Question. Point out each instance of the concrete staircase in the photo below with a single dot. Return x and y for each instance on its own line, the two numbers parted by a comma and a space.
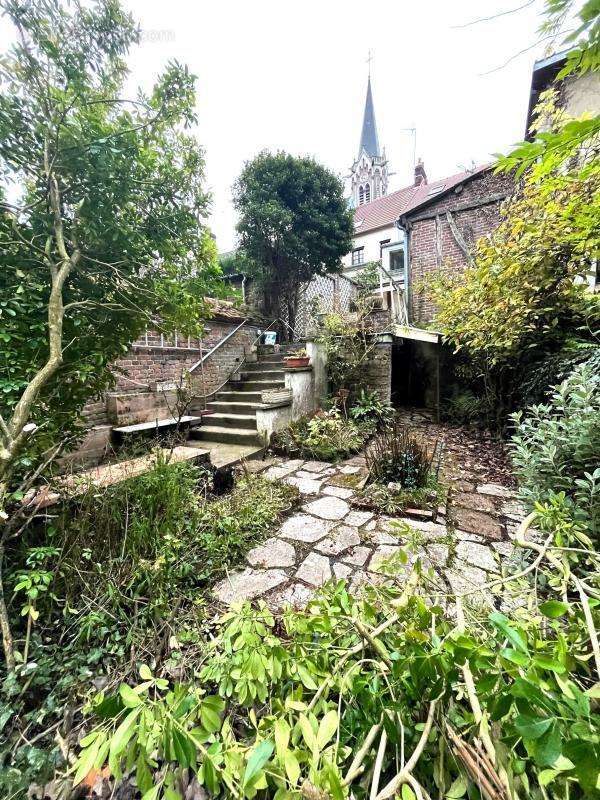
234, 418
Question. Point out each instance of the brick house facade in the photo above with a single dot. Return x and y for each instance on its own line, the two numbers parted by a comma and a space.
439, 229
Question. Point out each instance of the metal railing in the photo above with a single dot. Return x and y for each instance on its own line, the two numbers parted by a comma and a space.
239, 366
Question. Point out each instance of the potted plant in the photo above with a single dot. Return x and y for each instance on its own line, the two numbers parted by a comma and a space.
297, 359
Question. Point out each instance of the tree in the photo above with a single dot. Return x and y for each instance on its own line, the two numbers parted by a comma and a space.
100, 224
294, 225
550, 149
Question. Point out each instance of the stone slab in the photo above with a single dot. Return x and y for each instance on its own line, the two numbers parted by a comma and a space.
272, 553
249, 583
474, 501
338, 491
478, 555
305, 528
277, 473
349, 469
315, 466
332, 508
315, 570
479, 523
342, 538
495, 490
358, 518
296, 595
306, 486
342, 571
357, 556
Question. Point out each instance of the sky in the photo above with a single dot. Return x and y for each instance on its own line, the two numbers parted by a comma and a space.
278, 75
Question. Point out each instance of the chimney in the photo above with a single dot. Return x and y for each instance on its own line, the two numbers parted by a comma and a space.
420, 176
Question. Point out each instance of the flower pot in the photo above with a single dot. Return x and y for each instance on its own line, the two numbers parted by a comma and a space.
297, 361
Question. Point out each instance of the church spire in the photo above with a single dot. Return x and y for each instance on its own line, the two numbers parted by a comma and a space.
369, 174
368, 138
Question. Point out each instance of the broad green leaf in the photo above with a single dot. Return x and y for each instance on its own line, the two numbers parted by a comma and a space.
128, 696
145, 673
406, 793
516, 656
152, 794
307, 732
292, 768
282, 736
554, 608
516, 637
458, 789
123, 733
327, 728
532, 727
258, 758
86, 762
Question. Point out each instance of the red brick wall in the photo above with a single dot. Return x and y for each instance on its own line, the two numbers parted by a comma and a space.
154, 359
433, 247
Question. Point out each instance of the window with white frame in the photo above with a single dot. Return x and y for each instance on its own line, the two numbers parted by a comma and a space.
358, 256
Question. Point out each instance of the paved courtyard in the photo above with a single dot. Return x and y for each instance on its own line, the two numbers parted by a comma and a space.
465, 544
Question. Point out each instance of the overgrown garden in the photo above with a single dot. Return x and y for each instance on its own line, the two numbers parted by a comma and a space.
119, 672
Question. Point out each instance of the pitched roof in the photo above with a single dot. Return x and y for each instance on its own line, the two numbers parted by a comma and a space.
386, 210
368, 136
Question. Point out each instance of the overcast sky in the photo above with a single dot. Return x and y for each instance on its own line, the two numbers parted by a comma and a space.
292, 76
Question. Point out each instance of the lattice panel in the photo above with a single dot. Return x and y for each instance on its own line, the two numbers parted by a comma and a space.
323, 295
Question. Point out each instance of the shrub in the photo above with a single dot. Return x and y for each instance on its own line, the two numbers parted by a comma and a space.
556, 446
464, 407
398, 456
369, 407
328, 436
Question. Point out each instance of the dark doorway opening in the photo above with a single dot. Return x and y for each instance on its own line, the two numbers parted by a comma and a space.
415, 374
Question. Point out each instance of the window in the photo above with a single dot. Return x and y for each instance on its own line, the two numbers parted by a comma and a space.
358, 256
361, 196
396, 260
382, 244
368, 193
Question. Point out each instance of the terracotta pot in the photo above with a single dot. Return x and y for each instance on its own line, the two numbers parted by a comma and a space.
297, 361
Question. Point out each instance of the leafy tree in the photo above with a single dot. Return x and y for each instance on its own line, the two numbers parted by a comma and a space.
526, 297
294, 224
100, 223
550, 149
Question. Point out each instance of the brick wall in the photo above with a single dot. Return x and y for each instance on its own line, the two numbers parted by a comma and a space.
475, 207
378, 371
154, 359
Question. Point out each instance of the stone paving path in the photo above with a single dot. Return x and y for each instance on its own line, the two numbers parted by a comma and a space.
466, 544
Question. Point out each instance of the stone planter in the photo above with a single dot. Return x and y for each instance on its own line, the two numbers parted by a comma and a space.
276, 397
294, 362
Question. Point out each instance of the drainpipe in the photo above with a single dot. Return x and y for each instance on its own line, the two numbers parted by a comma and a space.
403, 225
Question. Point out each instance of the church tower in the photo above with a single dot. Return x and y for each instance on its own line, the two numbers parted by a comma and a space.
369, 173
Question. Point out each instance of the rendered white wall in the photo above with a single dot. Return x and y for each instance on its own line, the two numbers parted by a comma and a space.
371, 242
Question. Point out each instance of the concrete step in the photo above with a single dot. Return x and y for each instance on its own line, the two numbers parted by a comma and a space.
218, 433
238, 396
263, 375
259, 386
261, 366
274, 359
233, 420
220, 407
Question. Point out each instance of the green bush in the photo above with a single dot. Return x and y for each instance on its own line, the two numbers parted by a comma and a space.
369, 407
124, 568
556, 447
327, 435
